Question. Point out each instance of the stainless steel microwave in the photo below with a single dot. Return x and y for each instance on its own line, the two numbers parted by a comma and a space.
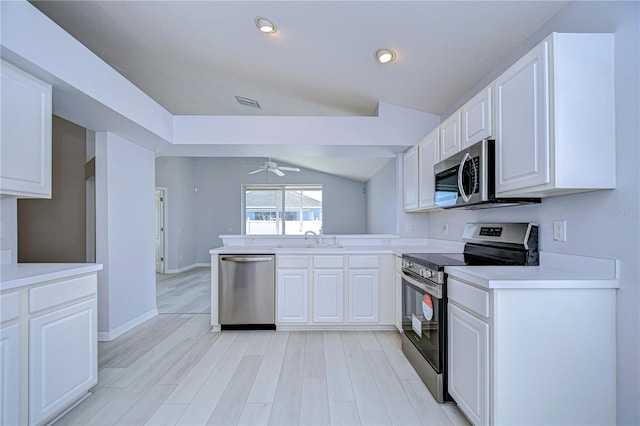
467, 180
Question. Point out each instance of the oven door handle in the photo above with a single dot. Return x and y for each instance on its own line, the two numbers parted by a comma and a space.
435, 291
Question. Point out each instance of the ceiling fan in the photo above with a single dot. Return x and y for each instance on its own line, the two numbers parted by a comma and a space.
271, 166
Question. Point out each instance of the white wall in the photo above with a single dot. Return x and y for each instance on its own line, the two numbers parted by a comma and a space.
8, 230
125, 208
177, 174
603, 223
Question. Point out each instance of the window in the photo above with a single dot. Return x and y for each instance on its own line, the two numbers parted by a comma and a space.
282, 209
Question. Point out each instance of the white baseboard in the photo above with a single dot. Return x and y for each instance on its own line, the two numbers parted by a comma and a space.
186, 268
107, 336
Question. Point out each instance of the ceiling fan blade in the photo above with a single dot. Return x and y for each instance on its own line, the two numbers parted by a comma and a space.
277, 172
256, 171
289, 169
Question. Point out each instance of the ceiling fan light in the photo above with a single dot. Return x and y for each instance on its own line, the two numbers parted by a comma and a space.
384, 56
265, 25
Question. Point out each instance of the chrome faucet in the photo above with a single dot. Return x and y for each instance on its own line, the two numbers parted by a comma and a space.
318, 236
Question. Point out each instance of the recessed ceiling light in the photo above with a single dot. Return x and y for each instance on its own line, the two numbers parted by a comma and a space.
265, 25
384, 56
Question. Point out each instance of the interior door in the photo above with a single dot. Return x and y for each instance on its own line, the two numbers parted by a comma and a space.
160, 229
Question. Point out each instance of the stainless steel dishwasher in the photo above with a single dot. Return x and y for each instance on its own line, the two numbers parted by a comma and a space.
246, 291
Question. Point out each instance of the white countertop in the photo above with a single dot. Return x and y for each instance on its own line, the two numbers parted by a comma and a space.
397, 250
555, 271
21, 274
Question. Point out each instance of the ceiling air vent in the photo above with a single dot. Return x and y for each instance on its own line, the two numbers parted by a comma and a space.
247, 102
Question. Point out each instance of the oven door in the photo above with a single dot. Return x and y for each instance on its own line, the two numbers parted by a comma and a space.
424, 318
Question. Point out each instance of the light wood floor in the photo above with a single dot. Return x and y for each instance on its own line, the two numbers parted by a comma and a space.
184, 293
171, 370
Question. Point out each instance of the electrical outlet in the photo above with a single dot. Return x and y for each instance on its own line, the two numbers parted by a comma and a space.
559, 230
408, 227
445, 227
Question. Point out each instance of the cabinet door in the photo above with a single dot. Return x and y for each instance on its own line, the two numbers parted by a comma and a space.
522, 123
10, 375
328, 296
363, 296
469, 364
428, 155
410, 180
62, 358
450, 135
477, 119
25, 152
293, 296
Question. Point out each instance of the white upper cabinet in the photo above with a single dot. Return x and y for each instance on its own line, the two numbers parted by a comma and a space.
25, 148
428, 157
450, 140
555, 118
477, 119
410, 181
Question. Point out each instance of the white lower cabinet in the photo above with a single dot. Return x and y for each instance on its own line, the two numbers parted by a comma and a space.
328, 296
63, 358
9, 374
364, 294
293, 294
469, 358
337, 289
48, 348
526, 355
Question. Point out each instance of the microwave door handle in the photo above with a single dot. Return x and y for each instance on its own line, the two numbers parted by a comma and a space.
463, 194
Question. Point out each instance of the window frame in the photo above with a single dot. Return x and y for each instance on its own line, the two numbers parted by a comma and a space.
281, 215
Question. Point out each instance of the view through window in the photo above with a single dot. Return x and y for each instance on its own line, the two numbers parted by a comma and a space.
282, 209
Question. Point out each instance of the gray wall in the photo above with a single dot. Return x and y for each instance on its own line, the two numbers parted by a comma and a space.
177, 174
381, 195
603, 223
53, 230
217, 204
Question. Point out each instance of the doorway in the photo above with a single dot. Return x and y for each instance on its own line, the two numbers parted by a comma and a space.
161, 201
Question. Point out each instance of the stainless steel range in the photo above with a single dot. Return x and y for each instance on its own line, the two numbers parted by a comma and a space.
424, 292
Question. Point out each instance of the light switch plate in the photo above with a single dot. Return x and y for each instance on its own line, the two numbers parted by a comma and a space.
559, 230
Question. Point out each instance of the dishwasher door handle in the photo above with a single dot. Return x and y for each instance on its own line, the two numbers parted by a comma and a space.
246, 259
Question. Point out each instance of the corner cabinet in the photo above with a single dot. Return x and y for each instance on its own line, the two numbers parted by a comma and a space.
25, 151
555, 118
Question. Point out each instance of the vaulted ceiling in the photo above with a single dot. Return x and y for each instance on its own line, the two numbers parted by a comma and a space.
195, 57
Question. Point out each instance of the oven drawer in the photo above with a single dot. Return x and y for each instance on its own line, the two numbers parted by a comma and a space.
472, 298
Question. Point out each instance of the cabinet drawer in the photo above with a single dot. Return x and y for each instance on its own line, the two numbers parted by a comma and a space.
472, 298
50, 295
293, 261
364, 261
328, 261
9, 306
